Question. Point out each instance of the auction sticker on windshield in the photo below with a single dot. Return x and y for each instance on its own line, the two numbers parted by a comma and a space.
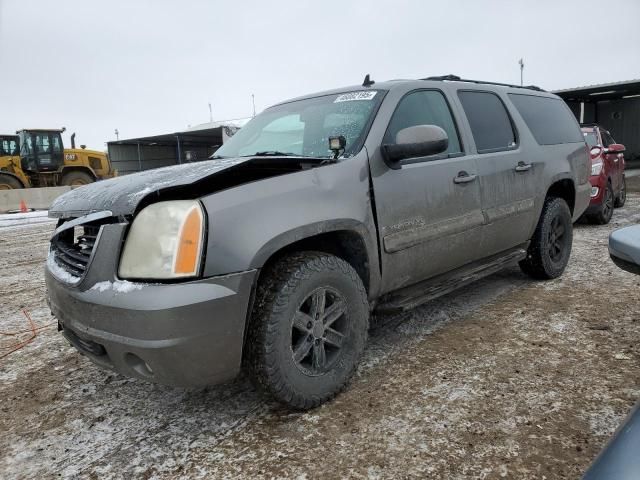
351, 96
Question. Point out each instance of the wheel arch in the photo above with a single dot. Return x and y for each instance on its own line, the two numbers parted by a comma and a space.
563, 187
346, 239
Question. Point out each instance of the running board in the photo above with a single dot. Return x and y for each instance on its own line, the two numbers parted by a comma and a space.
410, 297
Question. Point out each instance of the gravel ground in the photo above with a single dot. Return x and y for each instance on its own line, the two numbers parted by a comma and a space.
506, 378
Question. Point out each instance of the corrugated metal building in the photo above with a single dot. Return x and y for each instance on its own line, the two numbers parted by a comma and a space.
192, 145
615, 106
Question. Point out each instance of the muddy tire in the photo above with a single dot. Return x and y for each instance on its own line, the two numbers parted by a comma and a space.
621, 199
77, 179
605, 211
308, 328
550, 246
7, 182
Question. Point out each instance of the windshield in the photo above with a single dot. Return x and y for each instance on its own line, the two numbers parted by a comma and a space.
591, 138
303, 127
38, 143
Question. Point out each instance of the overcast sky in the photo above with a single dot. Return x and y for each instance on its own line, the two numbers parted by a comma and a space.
149, 67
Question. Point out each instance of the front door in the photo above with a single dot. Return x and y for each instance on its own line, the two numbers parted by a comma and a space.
429, 211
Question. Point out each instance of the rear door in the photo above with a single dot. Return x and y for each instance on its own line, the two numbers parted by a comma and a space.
508, 174
429, 211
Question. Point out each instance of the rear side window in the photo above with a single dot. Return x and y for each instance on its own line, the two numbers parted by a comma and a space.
549, 119
424, 107
489, 121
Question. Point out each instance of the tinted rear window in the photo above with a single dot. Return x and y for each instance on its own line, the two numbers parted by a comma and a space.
489, 121
549, 119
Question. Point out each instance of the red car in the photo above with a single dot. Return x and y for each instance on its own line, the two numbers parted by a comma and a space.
608, 185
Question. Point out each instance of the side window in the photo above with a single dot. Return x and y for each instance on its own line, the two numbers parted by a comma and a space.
607, 139
424, 107
549, 119
489, 121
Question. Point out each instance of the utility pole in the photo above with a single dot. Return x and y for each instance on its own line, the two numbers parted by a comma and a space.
117, 134
253, 102
210, 113
521, 63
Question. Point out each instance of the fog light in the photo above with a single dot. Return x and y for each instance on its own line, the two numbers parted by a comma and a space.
139, 365
594, 191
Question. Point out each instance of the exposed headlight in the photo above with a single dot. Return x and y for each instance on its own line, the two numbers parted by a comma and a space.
165, 241
596, 168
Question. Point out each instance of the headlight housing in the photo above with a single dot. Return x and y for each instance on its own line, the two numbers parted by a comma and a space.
596, 168
165, 241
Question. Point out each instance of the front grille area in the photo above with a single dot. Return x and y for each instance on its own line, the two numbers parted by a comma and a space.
72, 248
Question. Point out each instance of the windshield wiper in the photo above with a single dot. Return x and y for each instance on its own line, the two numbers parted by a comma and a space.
272, 153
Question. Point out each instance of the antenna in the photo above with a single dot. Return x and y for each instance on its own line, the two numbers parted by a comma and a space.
253, 102
367, 81
210, 114
521, 63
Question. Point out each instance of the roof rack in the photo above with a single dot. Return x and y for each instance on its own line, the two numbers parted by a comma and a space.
455, 78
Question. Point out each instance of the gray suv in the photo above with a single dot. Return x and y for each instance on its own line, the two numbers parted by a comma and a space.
272, 255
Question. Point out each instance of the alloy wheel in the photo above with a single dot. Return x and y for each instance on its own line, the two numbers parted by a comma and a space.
607, 204
318, 331
556, 239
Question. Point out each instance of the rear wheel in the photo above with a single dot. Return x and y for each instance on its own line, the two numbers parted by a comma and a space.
550, 246
622, 196
7, 182
605, 212
76, 179
308, 328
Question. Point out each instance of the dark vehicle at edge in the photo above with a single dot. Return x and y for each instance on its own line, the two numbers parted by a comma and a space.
620, 458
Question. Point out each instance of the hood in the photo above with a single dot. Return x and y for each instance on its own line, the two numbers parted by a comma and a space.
123, 195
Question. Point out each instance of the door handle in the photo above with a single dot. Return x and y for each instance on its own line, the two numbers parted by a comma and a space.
523, 167
464, 177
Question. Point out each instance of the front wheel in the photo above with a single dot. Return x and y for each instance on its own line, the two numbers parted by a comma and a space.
308, 328
621, 199
7, 182
605, 211
550, 246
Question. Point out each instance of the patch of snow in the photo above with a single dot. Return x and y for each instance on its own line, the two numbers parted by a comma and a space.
119, 286
17, 219
604, 422
59, 272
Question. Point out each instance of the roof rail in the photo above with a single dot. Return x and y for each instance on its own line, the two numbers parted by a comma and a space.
455, 78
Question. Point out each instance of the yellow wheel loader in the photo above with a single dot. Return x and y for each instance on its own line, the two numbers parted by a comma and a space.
37, 158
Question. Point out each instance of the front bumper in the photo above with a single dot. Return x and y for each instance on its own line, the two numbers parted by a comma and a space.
184, 334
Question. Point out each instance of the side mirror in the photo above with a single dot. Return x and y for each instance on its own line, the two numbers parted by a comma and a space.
413, 142
615, 148
624, 248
